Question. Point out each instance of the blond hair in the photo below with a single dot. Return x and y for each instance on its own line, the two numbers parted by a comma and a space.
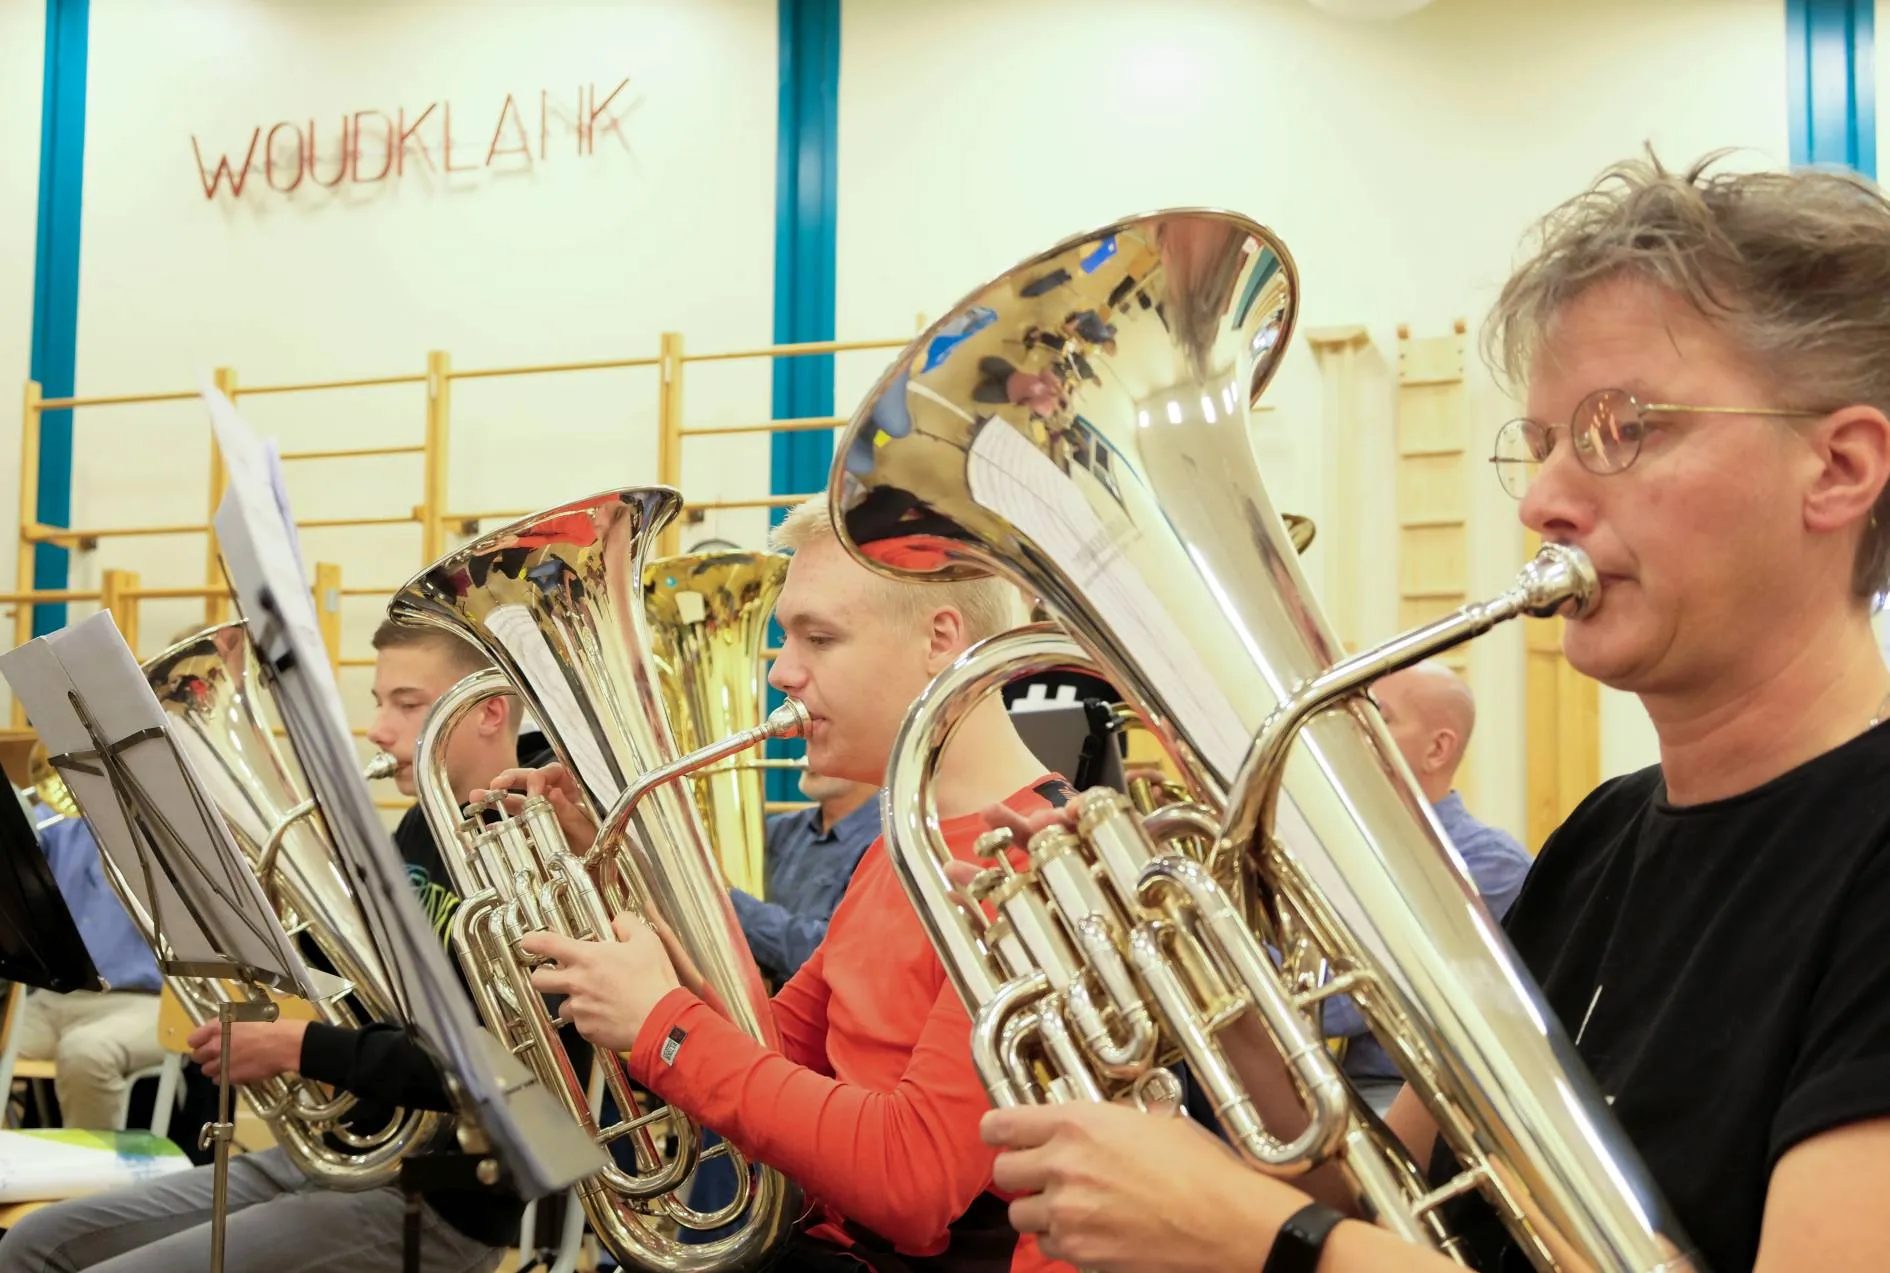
1795, 266
988, 605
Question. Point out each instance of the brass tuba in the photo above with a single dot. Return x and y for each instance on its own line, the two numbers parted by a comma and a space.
1080, 426
708, 616
205, 686
48, 784
557, 602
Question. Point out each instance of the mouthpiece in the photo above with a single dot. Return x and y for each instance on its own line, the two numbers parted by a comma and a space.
379, 766
1561, 575
790, 720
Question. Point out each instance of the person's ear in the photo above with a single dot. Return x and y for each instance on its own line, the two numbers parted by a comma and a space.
492, 716
1438, 749
1852, 450
944, 639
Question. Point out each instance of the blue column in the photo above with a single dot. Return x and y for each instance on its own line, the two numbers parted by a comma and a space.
56, 279
806, 165
1832, 81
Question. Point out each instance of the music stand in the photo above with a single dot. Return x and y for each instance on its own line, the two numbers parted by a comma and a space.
168, 852
40, 944
506, 1116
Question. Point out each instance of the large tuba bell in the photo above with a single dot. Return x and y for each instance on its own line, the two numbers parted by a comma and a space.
708, 616
1080, 425
557, 602
205, 686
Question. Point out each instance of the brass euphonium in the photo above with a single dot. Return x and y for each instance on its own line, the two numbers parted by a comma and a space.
204, 684
1080, 425
708, 616
557, 603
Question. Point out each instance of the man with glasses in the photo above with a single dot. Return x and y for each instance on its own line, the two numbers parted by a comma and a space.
1707, 387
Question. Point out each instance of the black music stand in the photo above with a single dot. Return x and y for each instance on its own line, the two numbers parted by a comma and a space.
507, 1120
165, 848
40, 944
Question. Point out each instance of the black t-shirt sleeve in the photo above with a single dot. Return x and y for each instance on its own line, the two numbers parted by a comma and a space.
1841, 1073
381, 1063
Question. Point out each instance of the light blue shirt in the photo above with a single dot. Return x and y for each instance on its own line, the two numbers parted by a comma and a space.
1498, 866
807, 874
119, 951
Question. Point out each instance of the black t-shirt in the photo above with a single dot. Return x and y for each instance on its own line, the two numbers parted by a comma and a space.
1731, 963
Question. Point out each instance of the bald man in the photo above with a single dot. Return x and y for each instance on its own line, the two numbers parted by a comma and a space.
1430, 712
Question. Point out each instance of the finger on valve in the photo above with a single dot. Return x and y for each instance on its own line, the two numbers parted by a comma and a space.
501, 783
1001, 817
528, 782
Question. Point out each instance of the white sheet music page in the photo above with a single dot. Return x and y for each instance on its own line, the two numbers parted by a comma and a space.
208, 906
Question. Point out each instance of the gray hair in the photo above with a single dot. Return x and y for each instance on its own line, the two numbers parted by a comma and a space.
1795, 266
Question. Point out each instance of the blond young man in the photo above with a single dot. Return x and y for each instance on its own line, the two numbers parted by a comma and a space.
872, 1105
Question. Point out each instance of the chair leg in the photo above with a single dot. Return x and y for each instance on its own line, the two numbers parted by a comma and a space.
169, 1095
572, 1238
528, 1230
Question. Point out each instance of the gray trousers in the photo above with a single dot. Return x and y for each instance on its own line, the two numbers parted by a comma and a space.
279, 1222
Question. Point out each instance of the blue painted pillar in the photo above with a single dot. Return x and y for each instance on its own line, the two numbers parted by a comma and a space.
806, 166
1832, 81
56, 279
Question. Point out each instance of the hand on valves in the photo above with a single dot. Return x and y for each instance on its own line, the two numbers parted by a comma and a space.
555, 783
1108, 1187
611, 987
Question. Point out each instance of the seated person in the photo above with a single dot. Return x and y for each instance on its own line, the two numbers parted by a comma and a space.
280, 1219
810, 857
1430, 712
96, 1040
1736, 514
872, 1102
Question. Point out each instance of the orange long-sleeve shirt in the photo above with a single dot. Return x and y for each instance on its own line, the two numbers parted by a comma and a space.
872, 1104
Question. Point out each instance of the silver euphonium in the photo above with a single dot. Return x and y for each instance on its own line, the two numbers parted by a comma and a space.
205, 686
1080, 426
557, 603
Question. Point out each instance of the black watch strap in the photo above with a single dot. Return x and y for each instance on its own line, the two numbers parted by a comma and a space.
1297, 1247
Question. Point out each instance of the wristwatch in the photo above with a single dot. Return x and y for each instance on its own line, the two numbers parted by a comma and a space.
1297, 1246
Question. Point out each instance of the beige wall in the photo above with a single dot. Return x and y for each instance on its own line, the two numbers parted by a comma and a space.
667, 224
1401, 162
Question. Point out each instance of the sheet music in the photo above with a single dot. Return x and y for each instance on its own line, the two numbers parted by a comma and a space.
272, 459
544, 1147
208, 908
